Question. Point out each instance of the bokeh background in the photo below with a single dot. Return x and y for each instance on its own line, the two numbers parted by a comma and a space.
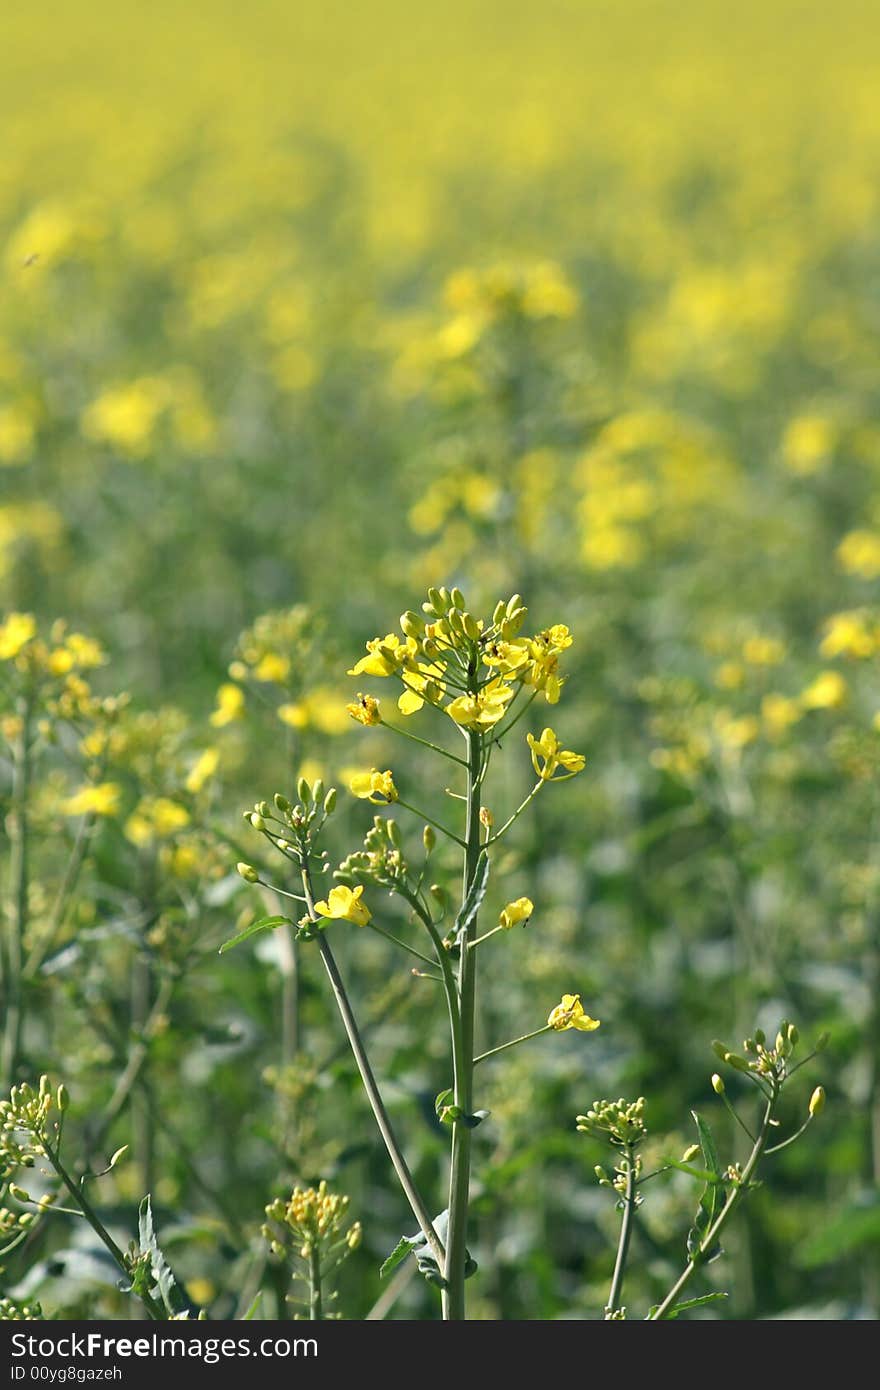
307, 307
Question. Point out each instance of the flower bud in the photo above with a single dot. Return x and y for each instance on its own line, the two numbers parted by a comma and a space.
691, 1152
393, 832
717, 1084
793, 1034
499, 612
257, 821
281, 803
247, 872
822, 1041
760, 1037
330, 802
318, 790
62, 1097
438, 893
817, 1102
429, 838
734, 1060
19, 1193
44, 1085
411, 625
303, 790
457, 598
471, 626
720, 1049
263, 808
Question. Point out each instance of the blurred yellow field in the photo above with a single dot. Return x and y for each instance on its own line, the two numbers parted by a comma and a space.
308, 310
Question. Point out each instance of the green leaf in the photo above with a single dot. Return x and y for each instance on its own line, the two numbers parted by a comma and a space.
688, 1303
264, 924
252, 1311
443, 1100
171, 1295
474, 897
403, 1248
709, 1198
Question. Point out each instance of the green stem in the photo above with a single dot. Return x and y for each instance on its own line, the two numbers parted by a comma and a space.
426, 743
518, 812
377, 1104
315, 1313
626, 1224
526, 1037
734, 1198
97, 1225
18, 872
404, 946
436, 824
460, 1167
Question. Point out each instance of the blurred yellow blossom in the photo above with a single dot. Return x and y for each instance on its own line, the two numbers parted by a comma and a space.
230, 705
98, 799
828, 691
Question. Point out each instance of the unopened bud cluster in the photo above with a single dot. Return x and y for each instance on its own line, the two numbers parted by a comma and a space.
313, 1217
290, 826
760, 1059
11, 1311
380, 861
619, 1121
23, 1121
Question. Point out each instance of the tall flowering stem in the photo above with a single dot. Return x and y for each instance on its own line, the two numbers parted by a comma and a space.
460, 1168
469, 673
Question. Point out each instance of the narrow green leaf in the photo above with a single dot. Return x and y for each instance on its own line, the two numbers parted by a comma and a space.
474, 897
171, 1295
264, 924
403, 1248
688, 1303
709, 1198
252, 1311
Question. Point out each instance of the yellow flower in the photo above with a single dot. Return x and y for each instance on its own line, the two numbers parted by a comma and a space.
202, 770
853, 633
778, 712
365, 709
386, 656
377, 787
516, 912
345, 903
859, 553
507, 656
272, 667
827, 691
230, 706
483, 710
99, 799
155, 818
547, 756
569, 1013
544, 651
15, 633
296, 716
423, 683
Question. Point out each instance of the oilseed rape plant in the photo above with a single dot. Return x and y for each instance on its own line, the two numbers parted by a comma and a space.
482, 675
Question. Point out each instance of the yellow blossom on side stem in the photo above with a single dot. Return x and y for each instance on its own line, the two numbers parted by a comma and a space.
345, 904
385, 656
516, 912
547, 756
483, 710
365, 710
569, 1013
377, 787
